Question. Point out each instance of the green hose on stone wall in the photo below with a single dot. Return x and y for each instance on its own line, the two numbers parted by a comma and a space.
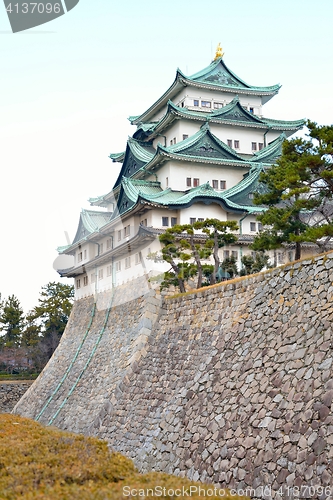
87, 363
70, 365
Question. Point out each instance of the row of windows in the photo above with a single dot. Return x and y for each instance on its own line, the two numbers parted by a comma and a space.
227, 254
83, 255
216, 105
126, 232
216, 184
100, 274
174, 140
255, 226
165, 221
255, 146
207, 104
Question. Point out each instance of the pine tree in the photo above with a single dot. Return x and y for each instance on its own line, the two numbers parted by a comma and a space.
11, 322
299, 191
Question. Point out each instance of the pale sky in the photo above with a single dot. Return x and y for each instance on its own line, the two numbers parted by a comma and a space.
67, 88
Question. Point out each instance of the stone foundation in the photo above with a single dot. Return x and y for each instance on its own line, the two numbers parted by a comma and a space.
232, 384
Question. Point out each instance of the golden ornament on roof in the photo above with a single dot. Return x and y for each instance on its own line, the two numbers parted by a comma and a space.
219, 52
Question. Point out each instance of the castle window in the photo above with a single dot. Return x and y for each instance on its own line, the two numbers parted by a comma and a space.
252, 226
126, 231
100, 274
185, 136
251, 110
173, 221
229, 142
174, 140
165, 221
280, 258
118, 266
259, 226
226, 254
223, 184
200, 219
79, 256
195, 102
78, 283
119, 235
137, 258
109, 270
196, 182
236, 144
218, 105
261, 146
108, 243
254, 146
188, 181
206, 104
234, 254
171, 142
167, 181
85, 280
193, 220
85, 254
215, 183
101, 248
127, 262
93, 278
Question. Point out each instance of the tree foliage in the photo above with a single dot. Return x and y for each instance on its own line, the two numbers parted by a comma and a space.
186, 246
54, 307
254, 263
299, 191
11, 322
27, 342
218, 235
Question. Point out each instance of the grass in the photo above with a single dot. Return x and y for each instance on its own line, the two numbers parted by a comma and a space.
21, 376
38, 462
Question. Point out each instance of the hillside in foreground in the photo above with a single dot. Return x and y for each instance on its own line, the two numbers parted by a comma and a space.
37, 462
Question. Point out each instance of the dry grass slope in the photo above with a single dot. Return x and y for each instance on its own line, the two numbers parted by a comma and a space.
44, 463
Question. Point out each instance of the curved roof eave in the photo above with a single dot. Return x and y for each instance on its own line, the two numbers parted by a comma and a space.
172, 90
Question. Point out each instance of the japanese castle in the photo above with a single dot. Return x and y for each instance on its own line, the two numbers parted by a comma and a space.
196, 153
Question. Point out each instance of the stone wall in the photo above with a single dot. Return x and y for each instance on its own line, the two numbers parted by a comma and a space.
11, 392
232, 384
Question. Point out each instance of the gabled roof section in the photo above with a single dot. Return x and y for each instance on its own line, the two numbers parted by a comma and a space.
271, 153
90, 222
217, 76
203, 144
137, 154
242, 193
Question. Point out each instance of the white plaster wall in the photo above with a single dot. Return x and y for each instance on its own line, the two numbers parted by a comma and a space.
178, 172
156, 218
245, 136
200, 210
188, 94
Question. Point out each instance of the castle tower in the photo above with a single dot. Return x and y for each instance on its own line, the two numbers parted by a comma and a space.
197, 152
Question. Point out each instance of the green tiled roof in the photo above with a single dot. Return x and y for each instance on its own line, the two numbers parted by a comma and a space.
137, 154
270, 153
90, 222
117, 156
216, 77
203, 147
218, 74
233, 114
153, 194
